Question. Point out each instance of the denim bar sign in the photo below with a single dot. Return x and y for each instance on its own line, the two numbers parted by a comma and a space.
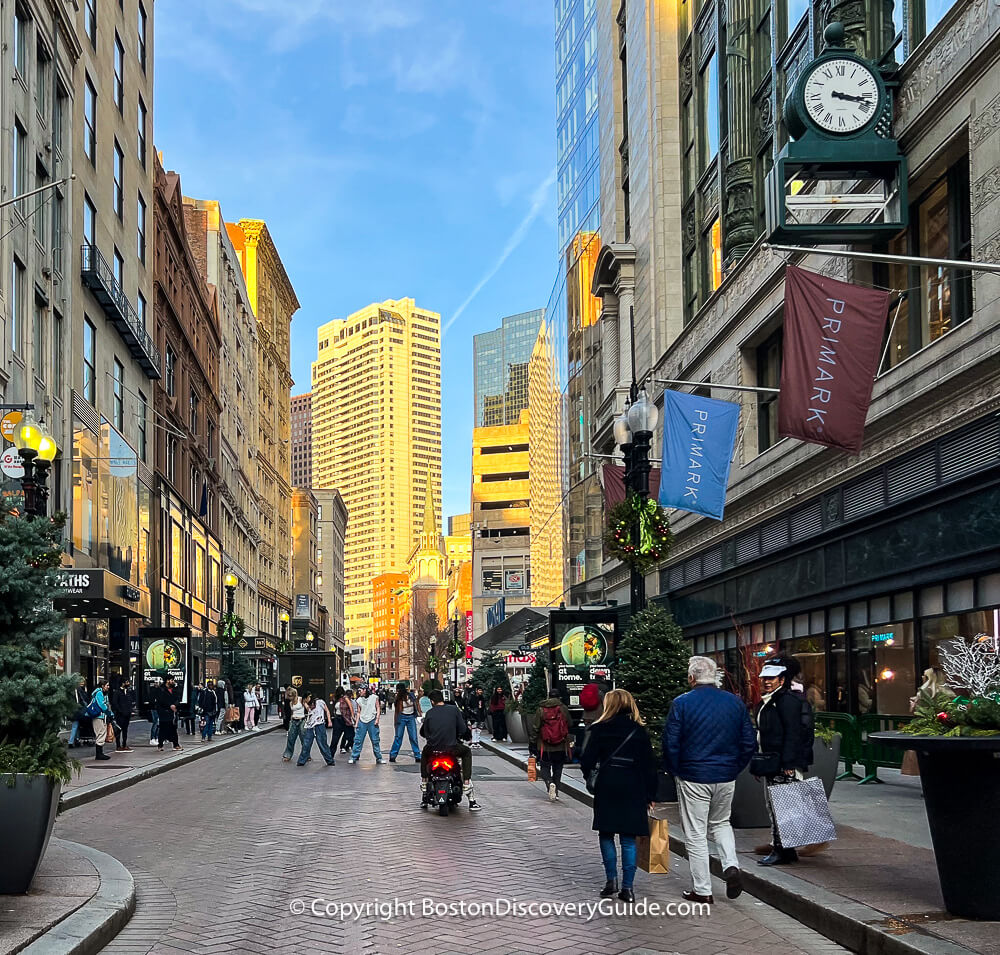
698, 439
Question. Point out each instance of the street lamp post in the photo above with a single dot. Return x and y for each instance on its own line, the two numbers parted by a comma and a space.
454, 650
284, 618
37, 448
230, 582
633, 431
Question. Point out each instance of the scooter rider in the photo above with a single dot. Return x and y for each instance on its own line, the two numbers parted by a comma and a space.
444, 727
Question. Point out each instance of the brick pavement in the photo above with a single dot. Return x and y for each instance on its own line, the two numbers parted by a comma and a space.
221, 847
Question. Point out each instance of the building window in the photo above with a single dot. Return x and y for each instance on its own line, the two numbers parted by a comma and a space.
119, 182
795, 10
937, 299
118, 267
89, 221
170, 378
38, 339
89, 361
210, 438
141, 133
142, 414
118, 396
712, 257
193, 420
768, 376
90, 21
171, 459
58, 205
90, 121
119, 75
16, 304
709, 94
140, 229
38, 220
19, 165
141, 29
42, 64
140, 307
20, 44
57, 346
59, 111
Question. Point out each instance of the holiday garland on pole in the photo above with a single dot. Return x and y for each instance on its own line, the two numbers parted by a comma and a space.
655, 537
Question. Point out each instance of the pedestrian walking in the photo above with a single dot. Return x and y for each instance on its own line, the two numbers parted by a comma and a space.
207, 703
284, 709
550, 742
189, 710
167, 699
343, 721
367, 725
475, 713
222, 700
296, 719
708, 741
99, 711
785, 737
154, 719
318, 719
122, 705
249, 707
619, 753
405, 720
80, 718
498, 713
258, 712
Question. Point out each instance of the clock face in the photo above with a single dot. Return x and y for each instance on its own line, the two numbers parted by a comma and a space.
841, 95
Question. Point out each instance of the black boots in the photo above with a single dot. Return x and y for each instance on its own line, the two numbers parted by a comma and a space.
100, 753
779, 857
627, 895
610, 888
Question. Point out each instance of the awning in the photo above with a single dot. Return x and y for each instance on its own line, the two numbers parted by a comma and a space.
96, 592
512, 630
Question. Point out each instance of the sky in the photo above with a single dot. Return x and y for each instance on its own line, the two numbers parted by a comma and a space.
395, 148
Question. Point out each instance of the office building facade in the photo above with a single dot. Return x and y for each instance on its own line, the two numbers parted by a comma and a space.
301, 408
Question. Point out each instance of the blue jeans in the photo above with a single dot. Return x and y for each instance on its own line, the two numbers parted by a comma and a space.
406, 724
610, 857
209, 729
363, 730
154, 725
74, 732
295, 732
317, 733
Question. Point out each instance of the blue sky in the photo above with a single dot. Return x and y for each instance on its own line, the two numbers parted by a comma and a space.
394, 149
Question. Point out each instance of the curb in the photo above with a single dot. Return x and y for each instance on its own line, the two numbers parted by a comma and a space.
88, 929
854, 925
81, 797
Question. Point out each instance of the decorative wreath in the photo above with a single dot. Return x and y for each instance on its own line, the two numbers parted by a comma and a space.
433, 665
655, 537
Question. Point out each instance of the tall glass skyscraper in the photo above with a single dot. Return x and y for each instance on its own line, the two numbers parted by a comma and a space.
500, 368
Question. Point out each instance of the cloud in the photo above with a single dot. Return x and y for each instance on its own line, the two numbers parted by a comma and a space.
538, 201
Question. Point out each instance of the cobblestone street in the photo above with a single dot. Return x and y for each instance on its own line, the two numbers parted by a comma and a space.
221, 848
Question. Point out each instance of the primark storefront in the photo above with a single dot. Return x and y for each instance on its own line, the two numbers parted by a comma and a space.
862, 582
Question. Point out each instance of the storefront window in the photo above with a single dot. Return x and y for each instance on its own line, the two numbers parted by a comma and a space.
936, 630
811, 654
85, 489
884, 671
839, 699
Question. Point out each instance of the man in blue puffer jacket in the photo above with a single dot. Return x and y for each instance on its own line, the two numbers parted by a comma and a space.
707, 742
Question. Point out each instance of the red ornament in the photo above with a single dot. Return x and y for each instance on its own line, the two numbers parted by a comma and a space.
942, 717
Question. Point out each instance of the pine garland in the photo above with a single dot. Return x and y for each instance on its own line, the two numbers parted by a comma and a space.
655, 537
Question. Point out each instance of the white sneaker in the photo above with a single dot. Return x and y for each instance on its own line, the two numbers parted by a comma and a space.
552, 792
380, 761
350, 762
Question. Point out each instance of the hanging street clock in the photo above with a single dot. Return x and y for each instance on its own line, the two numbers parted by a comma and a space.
842, 177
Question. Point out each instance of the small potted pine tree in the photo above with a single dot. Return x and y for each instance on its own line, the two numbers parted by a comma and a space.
35, 701
957, 741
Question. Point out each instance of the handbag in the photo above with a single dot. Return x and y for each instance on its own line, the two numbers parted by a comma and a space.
765, 764
654, 849
93, 709
232, 714
110, 737
801, 812
595, 773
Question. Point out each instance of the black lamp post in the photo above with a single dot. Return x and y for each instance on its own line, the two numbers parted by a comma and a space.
633, 431
454, 650
284, 618
230, 582
37, 449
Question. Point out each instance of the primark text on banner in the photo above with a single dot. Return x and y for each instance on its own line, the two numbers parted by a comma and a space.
698, 439
832, 342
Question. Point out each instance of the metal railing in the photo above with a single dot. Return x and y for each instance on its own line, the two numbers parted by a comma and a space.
100, 279
856, 747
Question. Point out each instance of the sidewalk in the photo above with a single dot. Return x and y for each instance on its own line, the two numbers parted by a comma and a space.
875, 890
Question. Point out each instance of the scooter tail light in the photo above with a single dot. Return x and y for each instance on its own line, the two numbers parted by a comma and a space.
443, 763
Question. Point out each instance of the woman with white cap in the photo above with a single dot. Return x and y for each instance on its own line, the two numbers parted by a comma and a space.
785, 738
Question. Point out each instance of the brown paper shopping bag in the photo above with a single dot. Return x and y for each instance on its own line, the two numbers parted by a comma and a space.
654, 849
532, 769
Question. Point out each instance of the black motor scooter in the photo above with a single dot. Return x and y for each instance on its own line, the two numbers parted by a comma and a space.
444, 782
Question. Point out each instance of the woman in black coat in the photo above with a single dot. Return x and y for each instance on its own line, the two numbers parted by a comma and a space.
784, 731
619, 748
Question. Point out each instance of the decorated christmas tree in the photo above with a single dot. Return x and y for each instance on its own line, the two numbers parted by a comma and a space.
652, 665
35, 700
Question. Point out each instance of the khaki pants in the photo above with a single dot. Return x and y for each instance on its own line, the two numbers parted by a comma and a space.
100, 731
705, 810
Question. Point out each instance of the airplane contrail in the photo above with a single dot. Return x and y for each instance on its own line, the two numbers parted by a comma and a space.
538, 198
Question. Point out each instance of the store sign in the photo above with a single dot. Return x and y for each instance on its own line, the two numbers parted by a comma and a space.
513, 580
130, 593
8, 423
883, 637
469, 629
302, 606
11, 463
305, 645
260, 643
75, 583
496, 614
524, 659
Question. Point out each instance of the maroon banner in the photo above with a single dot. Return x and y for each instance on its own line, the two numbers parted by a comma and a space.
833, 338
614, 484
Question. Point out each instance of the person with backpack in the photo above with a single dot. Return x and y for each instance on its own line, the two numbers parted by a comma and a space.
99, 711
785, 735
549, 740
207, 700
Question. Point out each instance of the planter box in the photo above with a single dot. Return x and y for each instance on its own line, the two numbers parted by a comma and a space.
826, 762
516, 730
961, 782
27, 814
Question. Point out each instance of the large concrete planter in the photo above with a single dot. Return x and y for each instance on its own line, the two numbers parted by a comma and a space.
961, 781
27, 812
826, 762
516, 730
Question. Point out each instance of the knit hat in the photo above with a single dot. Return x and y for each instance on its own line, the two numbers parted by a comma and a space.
590, 697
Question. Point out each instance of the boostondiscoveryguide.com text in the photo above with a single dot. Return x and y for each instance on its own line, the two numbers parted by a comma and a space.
391, 909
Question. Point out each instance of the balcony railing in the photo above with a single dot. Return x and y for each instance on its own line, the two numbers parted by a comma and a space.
99, 278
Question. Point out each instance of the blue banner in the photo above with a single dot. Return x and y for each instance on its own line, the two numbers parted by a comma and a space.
698, 438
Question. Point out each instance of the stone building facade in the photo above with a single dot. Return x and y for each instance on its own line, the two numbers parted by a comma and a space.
188, 408
331, 533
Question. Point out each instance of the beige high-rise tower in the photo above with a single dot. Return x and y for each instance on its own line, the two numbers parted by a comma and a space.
376, 407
